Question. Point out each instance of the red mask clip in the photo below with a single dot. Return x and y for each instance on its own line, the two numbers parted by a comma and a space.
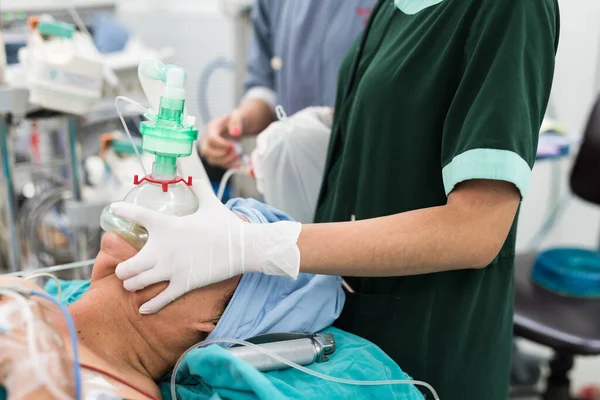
164, 184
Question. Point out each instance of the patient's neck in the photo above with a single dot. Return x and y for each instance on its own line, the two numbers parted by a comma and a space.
109, 335
111, 327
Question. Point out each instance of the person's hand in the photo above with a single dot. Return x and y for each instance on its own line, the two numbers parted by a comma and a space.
209, 246
217, 146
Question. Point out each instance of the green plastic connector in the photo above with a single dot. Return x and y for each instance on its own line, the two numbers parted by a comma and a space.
164, 166
56, 28
167, 136
125, 147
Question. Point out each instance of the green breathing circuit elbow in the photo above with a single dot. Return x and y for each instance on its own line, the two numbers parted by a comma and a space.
171, 134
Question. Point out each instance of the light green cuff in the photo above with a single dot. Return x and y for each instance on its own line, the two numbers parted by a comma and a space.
498, 165
412, 7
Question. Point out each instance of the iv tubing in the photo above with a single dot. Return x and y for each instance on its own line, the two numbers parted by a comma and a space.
74, 343
128, 100
296, 366
228, 174
48, 275
84, 30
77, 18
31, 343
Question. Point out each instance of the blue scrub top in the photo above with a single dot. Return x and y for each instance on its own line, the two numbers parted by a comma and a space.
297, 48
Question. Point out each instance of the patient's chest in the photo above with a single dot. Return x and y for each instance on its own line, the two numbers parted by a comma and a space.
102, 383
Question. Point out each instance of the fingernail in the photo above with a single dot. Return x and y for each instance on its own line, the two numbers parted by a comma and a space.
236, 132
231, 149
237, 157
144, 310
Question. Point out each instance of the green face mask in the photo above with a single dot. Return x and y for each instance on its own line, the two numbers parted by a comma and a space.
412, 7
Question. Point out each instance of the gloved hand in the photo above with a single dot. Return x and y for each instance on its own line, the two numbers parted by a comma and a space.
206, 247
217, 146
289, 161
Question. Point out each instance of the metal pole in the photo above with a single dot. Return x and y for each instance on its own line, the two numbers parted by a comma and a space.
240, 56
11, 212
242, 24
74, 155
80, 234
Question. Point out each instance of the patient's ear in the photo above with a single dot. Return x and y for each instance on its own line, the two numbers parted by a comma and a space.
206, 327
113, 250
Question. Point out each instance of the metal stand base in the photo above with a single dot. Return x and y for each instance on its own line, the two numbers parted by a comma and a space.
559, 384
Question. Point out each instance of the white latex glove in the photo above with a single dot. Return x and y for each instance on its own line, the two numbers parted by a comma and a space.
209, 246
289, 161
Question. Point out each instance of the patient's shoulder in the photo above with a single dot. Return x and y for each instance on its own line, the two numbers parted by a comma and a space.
12, 281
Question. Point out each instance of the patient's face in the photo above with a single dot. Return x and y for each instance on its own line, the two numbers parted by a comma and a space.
198, 310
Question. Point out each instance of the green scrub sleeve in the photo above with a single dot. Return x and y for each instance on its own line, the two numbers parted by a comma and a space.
492, 126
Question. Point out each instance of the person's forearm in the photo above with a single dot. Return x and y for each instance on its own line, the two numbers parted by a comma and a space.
417, 242
257, 115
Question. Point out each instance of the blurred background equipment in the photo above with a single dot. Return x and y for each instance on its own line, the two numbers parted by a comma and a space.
211, 40
61, 66
557, 292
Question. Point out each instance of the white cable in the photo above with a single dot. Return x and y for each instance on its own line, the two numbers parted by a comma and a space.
56, 268
109, 73
77, 18
228, 174
31, 342
146, 112
299, 368
48, 275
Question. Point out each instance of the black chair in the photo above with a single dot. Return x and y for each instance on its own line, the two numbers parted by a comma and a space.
571, 327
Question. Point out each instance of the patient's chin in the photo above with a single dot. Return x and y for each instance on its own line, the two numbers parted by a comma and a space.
113, 250
147, 294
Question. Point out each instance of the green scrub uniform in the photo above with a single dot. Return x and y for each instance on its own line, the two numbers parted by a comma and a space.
445, 91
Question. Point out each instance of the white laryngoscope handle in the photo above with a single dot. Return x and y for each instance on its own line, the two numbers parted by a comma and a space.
298, 367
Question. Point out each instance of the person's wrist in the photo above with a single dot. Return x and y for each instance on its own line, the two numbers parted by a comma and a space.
257, 115
272, 248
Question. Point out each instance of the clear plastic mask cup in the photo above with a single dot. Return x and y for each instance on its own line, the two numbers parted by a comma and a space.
178, 200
